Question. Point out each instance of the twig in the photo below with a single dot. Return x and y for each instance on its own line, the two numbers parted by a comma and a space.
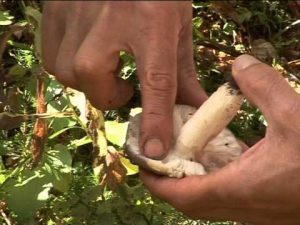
5, 217
36, 115
40, 128
214, 45
295, 23
296, 62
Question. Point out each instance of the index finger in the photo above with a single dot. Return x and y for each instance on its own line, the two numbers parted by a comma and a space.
156, 58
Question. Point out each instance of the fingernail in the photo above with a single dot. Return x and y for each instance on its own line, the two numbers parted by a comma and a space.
154, 149
242, 62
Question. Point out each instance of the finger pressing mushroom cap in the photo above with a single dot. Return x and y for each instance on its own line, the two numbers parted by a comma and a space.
193, 129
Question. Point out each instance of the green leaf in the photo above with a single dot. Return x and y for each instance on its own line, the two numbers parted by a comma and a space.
59, 132
80, 211
78, 100
244, 14
83, 141
21, 46
197, 21
17, 71
35, 17
27, 180
54, 171
5, 18
131, 168
2, 178
229, 27
20, 197
61, 161
3, 150
57, 101
61, 156
116, 132
44, 195
58, 124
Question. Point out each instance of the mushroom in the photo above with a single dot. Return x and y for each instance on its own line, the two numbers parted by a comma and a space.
202, 143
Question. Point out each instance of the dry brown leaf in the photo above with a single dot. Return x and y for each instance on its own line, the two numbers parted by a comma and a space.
263, 50
115, 171
226, 9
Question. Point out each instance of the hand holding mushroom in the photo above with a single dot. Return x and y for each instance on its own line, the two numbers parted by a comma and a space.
200, 142
262, 186
81, 45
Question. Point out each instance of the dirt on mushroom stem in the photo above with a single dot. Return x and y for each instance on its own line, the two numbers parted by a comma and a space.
202, 142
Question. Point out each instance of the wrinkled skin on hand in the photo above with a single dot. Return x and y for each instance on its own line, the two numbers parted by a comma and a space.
81, 44
262, 187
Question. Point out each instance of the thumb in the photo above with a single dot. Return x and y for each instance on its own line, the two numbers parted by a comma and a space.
267, 89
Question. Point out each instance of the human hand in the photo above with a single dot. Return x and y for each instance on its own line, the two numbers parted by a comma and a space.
262, 187
82, 41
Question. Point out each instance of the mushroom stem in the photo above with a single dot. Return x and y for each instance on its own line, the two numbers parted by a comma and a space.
208, 121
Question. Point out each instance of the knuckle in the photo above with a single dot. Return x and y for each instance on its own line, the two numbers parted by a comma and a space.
288, 109
187, 67
84, 66
91, 68
64, 77
100, 103
54, 9
51, 7
160, 82
288, 101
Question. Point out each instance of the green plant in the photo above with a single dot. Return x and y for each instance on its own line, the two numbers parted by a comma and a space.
73, 175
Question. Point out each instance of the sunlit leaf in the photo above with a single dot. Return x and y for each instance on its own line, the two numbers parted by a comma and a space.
116, 132
2, 178
78, 100
36, 183
44, 194
5, 18
3, 151
135, 111
27, 180
131, 168
197, 21
20, 197
61, 156
83, 141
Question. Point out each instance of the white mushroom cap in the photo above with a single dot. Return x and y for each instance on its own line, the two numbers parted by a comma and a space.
218, 147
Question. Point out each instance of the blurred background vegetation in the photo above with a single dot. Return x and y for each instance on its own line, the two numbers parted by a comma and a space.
62, 161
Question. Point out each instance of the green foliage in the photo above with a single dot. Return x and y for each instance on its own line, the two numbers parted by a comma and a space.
28, 189
62, 188
5, 18
116, 132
